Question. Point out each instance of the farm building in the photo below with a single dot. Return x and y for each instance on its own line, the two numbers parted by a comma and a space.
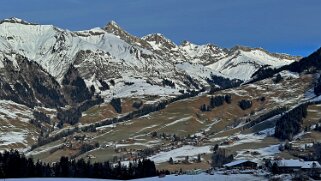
289, 166
241, 164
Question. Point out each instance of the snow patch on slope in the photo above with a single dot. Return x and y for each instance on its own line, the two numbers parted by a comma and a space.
180, 153
243, 64
12, 137
12, 110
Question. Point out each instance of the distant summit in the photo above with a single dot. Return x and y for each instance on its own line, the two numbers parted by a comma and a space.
114, 28
16, 20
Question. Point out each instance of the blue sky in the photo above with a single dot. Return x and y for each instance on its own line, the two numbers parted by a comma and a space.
289, 26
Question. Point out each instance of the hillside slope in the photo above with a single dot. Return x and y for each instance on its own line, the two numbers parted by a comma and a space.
56, 79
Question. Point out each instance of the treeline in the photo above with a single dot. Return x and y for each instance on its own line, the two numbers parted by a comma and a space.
290, 123
15, 165
190, 81
72, 115
224, 83
45, 140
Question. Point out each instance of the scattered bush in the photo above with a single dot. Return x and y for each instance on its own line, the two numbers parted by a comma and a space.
137, 104
169, 83
277, 79
205, 107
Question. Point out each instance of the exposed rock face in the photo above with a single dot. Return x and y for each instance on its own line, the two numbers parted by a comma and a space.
25, 82
74, 87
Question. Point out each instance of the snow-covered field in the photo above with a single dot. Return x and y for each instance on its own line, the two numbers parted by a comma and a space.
201, 177
7, 138
180, 153
258, 154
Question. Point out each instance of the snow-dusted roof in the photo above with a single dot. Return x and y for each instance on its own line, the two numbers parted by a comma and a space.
289, 163
298, 163
311, 164
236, 163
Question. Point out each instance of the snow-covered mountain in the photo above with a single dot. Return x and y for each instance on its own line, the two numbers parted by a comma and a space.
243, 62
141, 65
51, 77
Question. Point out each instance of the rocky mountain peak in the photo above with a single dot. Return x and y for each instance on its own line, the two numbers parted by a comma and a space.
185, 43
112, 25
159, 40
113, 28
16, 20
243, 48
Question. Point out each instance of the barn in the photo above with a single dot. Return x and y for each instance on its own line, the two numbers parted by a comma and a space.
241, 164
290, 166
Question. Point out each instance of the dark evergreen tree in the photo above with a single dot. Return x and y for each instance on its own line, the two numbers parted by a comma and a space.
112, 82
205, 107
116, 103
275, 168
228, 98
245, 104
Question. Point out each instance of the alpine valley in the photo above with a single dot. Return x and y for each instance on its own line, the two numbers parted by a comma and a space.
104, 94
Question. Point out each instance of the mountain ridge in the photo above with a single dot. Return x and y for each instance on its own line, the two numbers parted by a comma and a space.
152, 57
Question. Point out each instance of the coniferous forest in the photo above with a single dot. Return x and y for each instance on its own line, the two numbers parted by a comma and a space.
14, 164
